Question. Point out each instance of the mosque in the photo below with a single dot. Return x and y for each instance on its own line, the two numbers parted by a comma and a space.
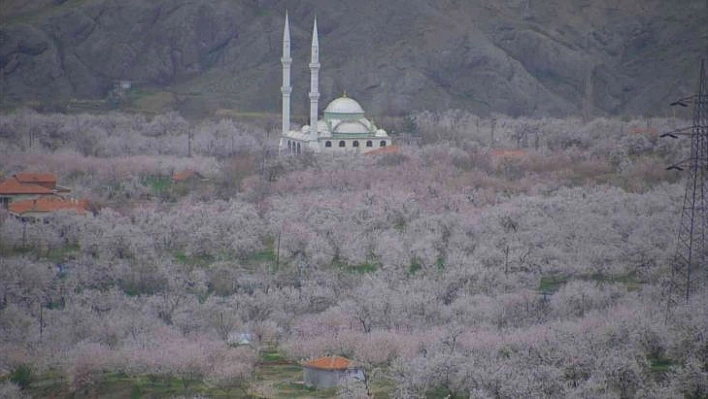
344, 127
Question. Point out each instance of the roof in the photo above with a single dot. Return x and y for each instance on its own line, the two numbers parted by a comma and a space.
186, 175
330, 363
48, 204
392, 149
13, 186
344, 105
36, 178
509, 153
351, 127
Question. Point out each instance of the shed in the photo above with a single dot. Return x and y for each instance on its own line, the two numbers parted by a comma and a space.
330, 371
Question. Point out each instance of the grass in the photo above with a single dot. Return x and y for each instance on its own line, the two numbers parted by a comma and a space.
62, 254
285, 381
274, 377
149, 101
629, 280
362, 268
56, 255
414, 267
22, 376
7, 250
272, 356
193, 260
265, 255
118, 385
158, 184
440, 392
660, 364
552, 283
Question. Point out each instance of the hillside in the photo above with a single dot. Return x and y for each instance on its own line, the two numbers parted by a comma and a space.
517, 57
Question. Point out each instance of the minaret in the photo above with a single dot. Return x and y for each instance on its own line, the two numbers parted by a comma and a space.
286, 89
314, 82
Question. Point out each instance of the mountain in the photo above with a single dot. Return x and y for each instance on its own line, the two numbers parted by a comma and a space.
517, 57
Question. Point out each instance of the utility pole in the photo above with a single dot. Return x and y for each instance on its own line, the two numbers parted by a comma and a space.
691, 257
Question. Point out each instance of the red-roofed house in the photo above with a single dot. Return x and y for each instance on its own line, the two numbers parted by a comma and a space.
42, 206
47, 180
330, 371
25, 186
12, 190
187, 175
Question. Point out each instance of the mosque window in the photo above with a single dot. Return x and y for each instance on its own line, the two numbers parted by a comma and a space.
328, 144
342, 143
383, 143
355, 144
369, 143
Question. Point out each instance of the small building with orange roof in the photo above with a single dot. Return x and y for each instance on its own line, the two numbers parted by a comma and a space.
43, 206
330, 371
25, 186
187, 175
14, 190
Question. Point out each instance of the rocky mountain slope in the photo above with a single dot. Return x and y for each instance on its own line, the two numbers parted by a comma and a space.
518, 57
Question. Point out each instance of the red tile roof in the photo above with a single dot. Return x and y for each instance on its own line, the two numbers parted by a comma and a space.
509, 153
48, 204
330, 363
36, 178
12, 186
186, 175
392, 149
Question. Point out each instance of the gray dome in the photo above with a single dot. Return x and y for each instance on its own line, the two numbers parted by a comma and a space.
344, 105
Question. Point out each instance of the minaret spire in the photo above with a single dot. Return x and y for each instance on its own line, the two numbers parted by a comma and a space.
286, 89
314, 81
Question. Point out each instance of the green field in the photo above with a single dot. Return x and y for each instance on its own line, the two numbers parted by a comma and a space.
274, 377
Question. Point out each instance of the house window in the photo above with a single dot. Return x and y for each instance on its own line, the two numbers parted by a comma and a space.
298, 148
328, 144
369, 143
342, 144
383, 143
355, 144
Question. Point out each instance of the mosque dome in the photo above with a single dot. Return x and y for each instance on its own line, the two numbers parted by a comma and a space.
344, 106
351, 127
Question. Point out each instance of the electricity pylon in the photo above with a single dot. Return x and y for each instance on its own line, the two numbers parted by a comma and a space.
691, 257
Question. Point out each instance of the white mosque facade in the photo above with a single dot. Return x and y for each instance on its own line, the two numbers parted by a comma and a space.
344, 127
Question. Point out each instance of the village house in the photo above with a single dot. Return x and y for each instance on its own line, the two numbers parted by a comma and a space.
22, 186
35, 195
39, 208
25, 186
330, 371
